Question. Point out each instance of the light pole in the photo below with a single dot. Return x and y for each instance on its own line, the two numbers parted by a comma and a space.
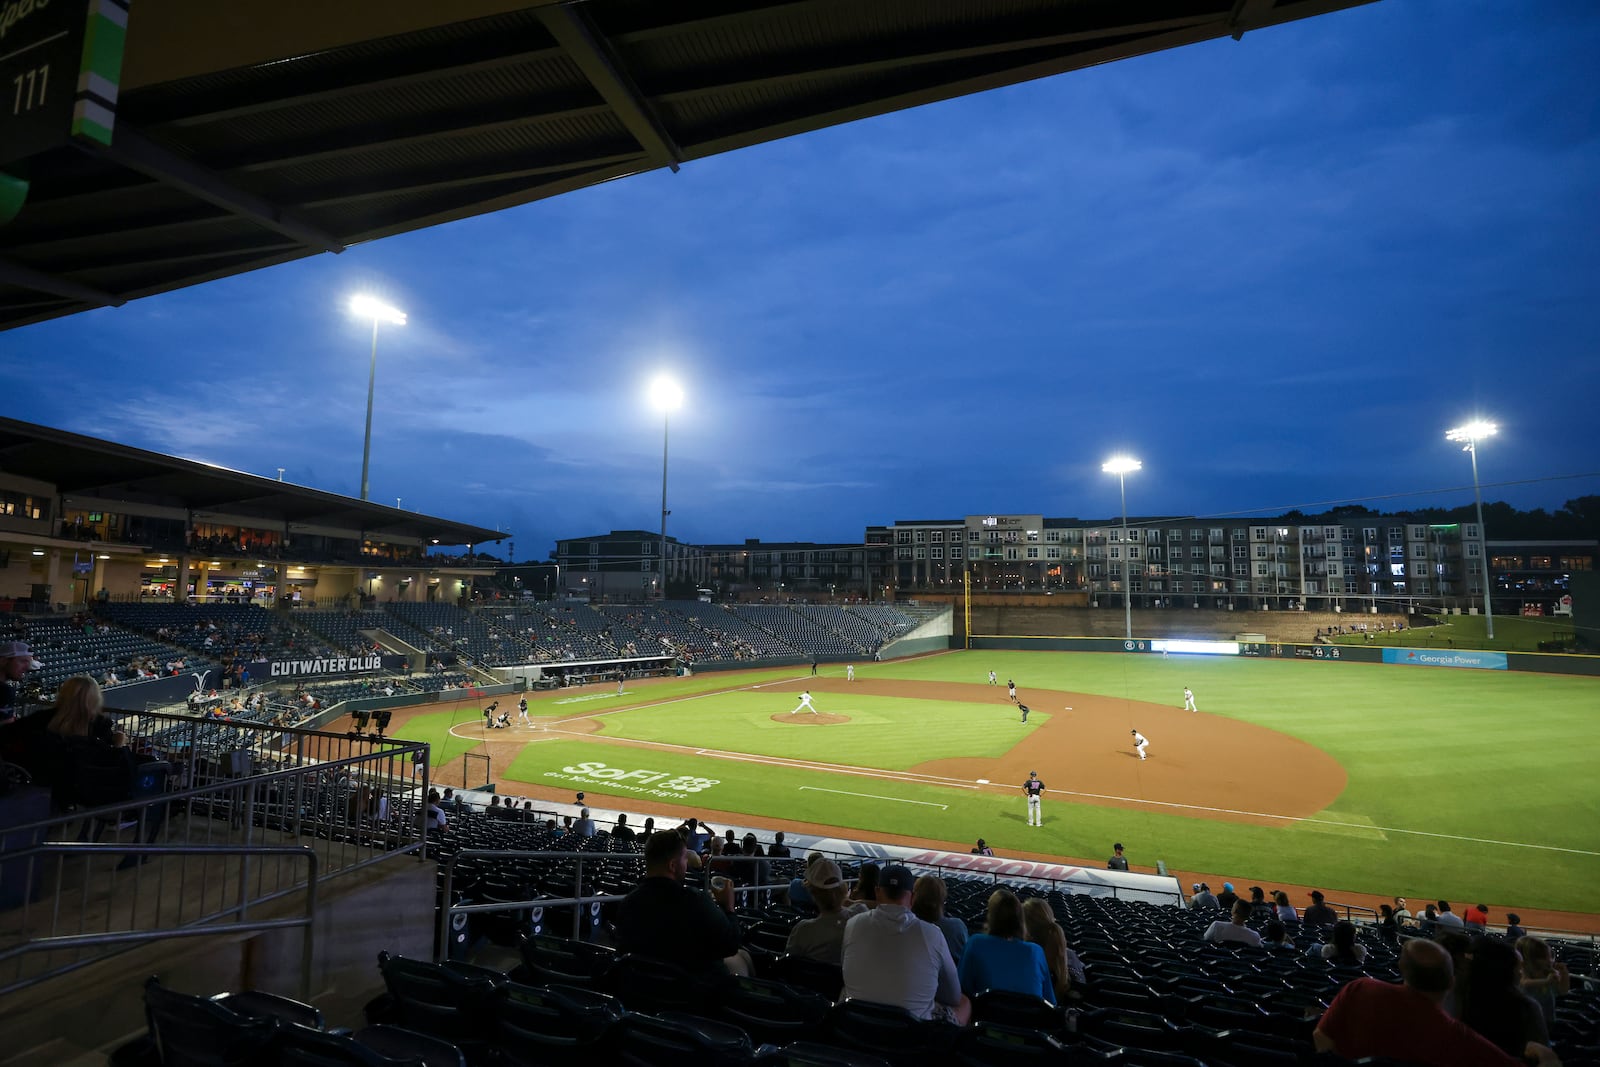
1472, 433
366, 307
1122, 466
667, 395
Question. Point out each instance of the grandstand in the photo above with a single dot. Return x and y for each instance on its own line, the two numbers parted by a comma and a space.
219, 631
797, 630
564, 631
464, 632
342, 629
108, 653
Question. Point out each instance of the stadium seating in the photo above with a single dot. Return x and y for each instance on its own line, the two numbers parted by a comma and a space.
219, 631
342, 629
797, 630
463, 632
108, 653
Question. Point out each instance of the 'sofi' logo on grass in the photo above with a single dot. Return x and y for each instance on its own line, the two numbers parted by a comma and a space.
650, 783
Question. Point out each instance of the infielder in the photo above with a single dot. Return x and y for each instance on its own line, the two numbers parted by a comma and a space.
992, 679
522, 712
1188, 699
1035, 789
849, 672
1139, 743
1024, 708
805, 704
1011, 687
621, 678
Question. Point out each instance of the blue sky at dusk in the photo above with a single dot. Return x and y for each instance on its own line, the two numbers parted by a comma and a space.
1275, 269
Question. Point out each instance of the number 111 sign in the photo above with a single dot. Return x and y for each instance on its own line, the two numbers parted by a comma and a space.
60, 63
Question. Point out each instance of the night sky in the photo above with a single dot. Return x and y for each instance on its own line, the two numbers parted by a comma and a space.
1276, 270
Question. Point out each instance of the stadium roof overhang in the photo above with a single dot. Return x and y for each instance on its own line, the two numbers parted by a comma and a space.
87, 467
254, 132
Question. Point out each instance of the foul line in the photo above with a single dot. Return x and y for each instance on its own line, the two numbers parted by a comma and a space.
871, 796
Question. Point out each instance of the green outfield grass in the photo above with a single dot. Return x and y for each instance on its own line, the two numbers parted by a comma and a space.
1443, 765
1512, 633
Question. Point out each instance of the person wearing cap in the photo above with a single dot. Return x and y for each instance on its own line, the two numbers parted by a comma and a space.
667, 919
1514, 928
982, 848
1034, 790
16, 660
1319, 914
1226, 898
892, 957
1203, 899
822, 938
1117, 862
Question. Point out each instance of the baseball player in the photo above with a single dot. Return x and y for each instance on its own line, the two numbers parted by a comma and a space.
992, 679
1011, 687
1188, 699
621, 677
1024, 708
805, 704
522, 712
849, 672
1139, 743
1035, 789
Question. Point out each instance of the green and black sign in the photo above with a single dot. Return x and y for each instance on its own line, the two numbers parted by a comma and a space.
60, 64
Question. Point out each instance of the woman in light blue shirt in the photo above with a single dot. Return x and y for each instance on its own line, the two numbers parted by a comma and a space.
999, 958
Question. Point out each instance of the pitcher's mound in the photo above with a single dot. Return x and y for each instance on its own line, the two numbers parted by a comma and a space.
806, 718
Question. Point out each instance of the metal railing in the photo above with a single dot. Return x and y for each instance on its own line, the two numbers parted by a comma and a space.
131, 918
211, 812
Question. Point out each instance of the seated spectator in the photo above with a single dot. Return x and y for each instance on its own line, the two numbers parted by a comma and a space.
584, 827
778, 850
1234, 928
437, 820
669, 920
1543, 978
866, 889
799, 896
1448, 919
1203, 899
1226, 898
1040, 927
1493, 1002
622, 831
1401, 913
1408, 1022
1342, 948
1259, 908
1388, 925
822, 938
1428, 921
892, 957
1514, 930
1276, 935
928, 895
1000, 958
1282, 909
1476, 918
755, 870
1319, 914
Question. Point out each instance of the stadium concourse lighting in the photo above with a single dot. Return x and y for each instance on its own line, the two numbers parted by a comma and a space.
1472, 433
1122, 466
366, 307
667, 395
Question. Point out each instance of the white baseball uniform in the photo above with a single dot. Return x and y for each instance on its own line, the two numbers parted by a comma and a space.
850, 672
804, 705
1140, 743
1188, 699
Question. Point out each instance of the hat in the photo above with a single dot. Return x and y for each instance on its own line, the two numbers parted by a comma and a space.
896, 879
823, 874
1197, 887
19, 650
1033, 774
1316, 894
1117, 847
1228, 886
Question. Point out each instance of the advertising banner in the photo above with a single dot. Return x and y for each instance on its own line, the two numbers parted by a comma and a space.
1431, 657
311, 667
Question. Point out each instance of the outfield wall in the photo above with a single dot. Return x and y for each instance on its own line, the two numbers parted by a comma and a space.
1459, 659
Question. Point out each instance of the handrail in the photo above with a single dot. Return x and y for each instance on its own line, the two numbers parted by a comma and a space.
198, 927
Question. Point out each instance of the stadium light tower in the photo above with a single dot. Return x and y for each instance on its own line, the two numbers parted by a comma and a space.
1472, 433
1122, 466
667, 396
367, 307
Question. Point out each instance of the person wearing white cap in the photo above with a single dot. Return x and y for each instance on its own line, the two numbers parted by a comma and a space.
16, 660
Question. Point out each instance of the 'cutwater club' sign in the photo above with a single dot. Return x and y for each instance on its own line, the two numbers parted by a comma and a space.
265, 671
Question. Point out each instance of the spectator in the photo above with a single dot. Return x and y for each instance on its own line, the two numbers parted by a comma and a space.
999, 958
437, 821
927, 903
778, 850
1493, 1002
1401, 913
1427, 922
1408, 1022
755, 870
1117, 862
1226, 898
892, 957
1388, 925
1282, 909
866, 890
584, 827
1447, 918
666, 919
1514, 930
1476, 918
1277, 935
622, 831
982, 848
1342, 948
1203, 899
16, 660
1233, 928
799, 896
1543, 979
1040, 927
1319, 914
822, 938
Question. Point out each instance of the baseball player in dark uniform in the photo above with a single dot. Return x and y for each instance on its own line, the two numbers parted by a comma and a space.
1024, 708
1035, 789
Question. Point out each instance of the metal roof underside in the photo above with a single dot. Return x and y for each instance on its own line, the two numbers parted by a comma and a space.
80, 466
231, 170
